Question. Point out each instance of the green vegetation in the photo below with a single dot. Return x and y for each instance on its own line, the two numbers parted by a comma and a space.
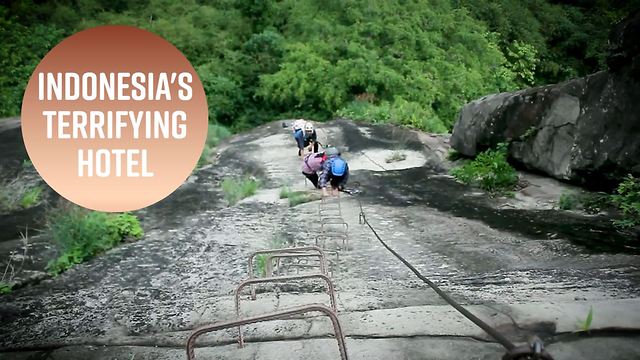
490, 171
81, 234
298, 197
454, 155
235, 190
215, 134
15, 196
400, 112
594, 203
627, 200
284, 192
277, 241
261, 264
7, 280
5, 288
30, 197
410, 63
396, 156
532, 131
585, 325
591, 203
557, 40
25, 41
568, 201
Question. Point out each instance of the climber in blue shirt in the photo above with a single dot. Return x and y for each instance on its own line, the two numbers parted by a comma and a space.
335, 172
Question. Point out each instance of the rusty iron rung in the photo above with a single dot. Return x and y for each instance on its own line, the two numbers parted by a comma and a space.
326, 226
321, 258
325, 205
339, 334
329, 208
282, 251
330, 212
330, 290
326, 199
322, 237
290, 250
333, 220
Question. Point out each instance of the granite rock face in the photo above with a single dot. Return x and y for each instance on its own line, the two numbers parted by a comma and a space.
585, 130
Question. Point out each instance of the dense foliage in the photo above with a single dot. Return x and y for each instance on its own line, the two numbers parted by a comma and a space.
81, 234
409, 62
627, 199
490, 171
589, 202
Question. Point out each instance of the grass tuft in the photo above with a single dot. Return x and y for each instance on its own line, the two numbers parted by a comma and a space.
298, 197
396, 156
215, 134
235, 190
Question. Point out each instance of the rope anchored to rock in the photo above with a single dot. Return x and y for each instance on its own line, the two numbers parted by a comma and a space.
534, 349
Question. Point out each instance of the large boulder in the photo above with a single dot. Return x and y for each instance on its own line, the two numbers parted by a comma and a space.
585, 130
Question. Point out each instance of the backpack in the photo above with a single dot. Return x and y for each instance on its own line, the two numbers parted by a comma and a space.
306, 160
338, 167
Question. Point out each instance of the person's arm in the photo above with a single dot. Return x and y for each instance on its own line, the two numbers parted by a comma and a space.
324, 177
311, 139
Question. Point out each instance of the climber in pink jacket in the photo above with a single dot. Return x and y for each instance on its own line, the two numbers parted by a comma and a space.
311, 164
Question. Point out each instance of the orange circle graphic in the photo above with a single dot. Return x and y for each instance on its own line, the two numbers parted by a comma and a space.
114, 118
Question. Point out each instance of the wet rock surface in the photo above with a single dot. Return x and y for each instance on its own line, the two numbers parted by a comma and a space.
524, 271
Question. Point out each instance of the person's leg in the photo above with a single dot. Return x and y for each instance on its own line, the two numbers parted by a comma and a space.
343, 181
299, 136
307, 143
335, 180
313, 178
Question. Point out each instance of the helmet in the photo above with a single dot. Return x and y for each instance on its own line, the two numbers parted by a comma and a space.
298, 125
331, 151
308, 126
